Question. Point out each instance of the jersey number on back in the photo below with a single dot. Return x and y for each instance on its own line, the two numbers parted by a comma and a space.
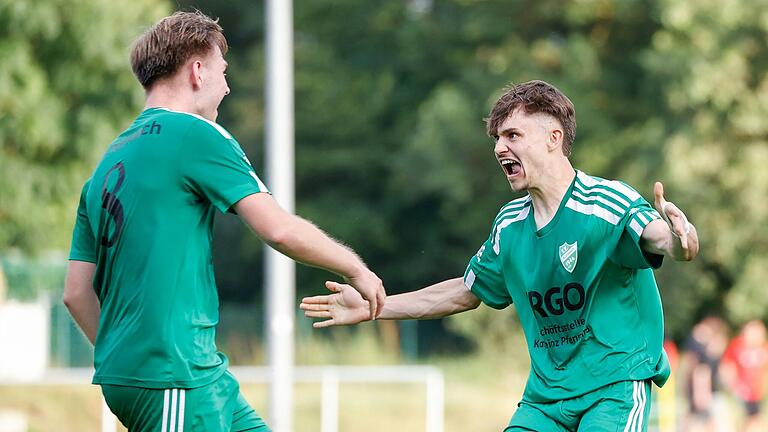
112, 205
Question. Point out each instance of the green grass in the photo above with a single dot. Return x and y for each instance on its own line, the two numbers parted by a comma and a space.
476, 399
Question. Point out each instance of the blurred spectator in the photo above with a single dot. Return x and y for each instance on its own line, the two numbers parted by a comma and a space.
744, 369
701, 359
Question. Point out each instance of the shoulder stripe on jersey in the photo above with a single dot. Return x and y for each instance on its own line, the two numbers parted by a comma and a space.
469, 280
505, 223
602, 191
518, 203
636, 227
624, 189
643, 217
593, 209
217, 126
509, 213
262, 186
512, 211
602, 200
614, 186
587, 180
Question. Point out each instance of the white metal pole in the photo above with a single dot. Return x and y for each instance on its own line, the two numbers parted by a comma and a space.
435, 401
329, 401
280, 271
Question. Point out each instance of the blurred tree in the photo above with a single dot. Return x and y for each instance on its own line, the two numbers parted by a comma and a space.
392, 156
711, 60
66, 90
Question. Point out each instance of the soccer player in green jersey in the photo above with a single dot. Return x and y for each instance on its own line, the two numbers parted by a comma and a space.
575, 255
140, 281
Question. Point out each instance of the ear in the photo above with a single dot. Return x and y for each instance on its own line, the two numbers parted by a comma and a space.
196, 73
555, 140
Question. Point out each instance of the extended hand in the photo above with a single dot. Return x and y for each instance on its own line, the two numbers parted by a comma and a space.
371, 289
345, 307
688, 245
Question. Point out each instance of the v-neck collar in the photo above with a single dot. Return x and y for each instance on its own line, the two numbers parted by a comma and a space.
553, 222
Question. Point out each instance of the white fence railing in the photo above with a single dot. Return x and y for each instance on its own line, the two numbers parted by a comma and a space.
329, 377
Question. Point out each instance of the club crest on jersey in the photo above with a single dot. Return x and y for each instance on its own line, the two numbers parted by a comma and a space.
569, 254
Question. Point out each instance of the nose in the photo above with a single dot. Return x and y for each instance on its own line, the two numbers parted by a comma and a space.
226, 92
500, 146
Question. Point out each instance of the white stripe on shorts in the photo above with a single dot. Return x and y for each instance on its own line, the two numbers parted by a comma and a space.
641, 411
165, 410
182, 394
639, 399
174, 402
174, 406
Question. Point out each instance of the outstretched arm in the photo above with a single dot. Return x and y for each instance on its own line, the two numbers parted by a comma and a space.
304, 242
345, 306
674, 236
80, 298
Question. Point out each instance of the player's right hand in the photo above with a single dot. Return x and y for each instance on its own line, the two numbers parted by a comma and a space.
344, 307
371, 288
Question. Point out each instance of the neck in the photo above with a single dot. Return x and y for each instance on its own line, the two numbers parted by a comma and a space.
550, 189
166, 95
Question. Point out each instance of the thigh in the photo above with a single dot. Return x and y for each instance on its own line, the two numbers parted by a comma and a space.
219, 406
536, 418
245, 418
140, 409
210, 408
620, 407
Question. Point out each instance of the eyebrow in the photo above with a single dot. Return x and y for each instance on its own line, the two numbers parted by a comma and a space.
507, 131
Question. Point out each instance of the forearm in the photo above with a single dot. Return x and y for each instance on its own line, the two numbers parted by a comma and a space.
307, 244
657, 238
297, 238
439, 300
86, 312
81, 299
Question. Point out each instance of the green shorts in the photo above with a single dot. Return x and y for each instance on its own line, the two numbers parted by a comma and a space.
215, 407
618, 407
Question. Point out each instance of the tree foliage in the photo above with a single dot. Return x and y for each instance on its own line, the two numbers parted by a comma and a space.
66, 90
392, 156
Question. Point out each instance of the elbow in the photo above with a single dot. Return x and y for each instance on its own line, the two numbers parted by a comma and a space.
72, 297
473, 303
280, 238
69, 298
470, 301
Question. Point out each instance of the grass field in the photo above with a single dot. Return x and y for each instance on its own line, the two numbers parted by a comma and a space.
475, 400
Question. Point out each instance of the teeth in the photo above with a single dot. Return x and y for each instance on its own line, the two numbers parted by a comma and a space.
508, 162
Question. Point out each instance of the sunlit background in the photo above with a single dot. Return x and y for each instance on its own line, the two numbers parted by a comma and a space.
392, 159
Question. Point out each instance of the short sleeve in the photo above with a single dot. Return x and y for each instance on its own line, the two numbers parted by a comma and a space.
215, 167
83, 246
628, 251
485, 279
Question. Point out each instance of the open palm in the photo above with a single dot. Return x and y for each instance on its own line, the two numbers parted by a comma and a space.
344, 307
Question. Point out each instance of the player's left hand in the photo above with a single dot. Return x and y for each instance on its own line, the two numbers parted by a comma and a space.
686, 240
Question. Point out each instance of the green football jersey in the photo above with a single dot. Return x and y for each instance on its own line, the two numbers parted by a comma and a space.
145, 219
584, 289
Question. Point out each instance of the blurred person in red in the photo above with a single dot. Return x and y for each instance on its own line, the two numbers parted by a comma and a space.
744, 369
703, 351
